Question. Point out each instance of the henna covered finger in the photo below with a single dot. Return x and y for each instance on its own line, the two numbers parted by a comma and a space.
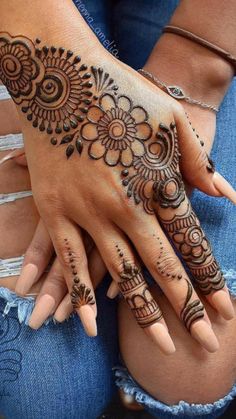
97, 270
121, 263
72, 256
165, 267
188, 237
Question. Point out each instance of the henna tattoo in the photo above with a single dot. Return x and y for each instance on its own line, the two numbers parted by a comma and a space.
72, 103
166, 263
192, 310
155, 175
210, 166
80, 294
20, 69
166, 266
195, 249
135, 291
116, 130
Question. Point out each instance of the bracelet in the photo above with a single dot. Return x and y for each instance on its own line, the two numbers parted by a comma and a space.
176, 92
203, 42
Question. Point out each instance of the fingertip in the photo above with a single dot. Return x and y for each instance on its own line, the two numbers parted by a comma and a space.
26, 279
88, 319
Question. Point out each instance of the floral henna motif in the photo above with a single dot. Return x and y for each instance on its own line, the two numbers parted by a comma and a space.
80, 294
20, 69
155, 175
116, 130
135, 291
195, 249
57, 94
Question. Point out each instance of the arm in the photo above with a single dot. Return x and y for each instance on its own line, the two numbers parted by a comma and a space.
102, 148
202, 74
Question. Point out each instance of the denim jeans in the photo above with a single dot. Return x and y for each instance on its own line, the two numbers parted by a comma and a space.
59, 372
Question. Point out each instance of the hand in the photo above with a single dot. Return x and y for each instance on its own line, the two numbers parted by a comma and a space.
53, 298
127, 144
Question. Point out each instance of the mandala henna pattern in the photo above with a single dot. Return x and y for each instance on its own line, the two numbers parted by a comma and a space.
135, 291
116, 130
155, 175
75, 105
196, 251
20, 69
80, 294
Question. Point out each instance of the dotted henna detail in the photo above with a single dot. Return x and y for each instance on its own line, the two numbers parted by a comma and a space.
80, 294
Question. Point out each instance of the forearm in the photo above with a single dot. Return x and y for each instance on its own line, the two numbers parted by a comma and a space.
178, 61
51, 21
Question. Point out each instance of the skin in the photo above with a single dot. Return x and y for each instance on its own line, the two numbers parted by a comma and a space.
150, 390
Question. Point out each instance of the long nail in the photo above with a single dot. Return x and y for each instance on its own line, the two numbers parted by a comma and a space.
204, 334
26, 279
113, 290
12, 155
88, 319
64, 310
43, 308
161, 337
224, 187
222, 303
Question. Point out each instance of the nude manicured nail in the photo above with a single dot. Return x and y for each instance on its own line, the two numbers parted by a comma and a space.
204, 334
64, 310
113, 290
224, 187
221, 301
26, 279
161, 337
43, 309
88, 319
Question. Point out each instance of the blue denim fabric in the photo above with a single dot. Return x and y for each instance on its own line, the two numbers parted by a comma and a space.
57, 371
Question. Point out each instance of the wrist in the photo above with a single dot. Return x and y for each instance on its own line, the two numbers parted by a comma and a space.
200, 73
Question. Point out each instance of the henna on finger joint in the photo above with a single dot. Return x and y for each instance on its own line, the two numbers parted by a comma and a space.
80, 294
135, 291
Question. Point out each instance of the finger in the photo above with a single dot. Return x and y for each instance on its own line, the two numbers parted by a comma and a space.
197, 168
69, 246
17, 155
113, 290
166, 268
36, 260
120, 261
52, 292
97, 270
183, 227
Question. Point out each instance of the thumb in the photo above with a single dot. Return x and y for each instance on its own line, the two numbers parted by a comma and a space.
196, 166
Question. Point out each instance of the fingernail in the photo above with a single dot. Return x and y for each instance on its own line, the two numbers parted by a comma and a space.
87, 317
224, 187
26, 279
12, 155
113, 290
222, 303
42, 311
204, 334
64, 310
161, 337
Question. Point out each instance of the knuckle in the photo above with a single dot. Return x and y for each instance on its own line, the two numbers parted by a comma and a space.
169, 267
36, 251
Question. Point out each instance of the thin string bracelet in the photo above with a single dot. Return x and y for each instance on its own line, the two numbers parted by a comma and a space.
176, 92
